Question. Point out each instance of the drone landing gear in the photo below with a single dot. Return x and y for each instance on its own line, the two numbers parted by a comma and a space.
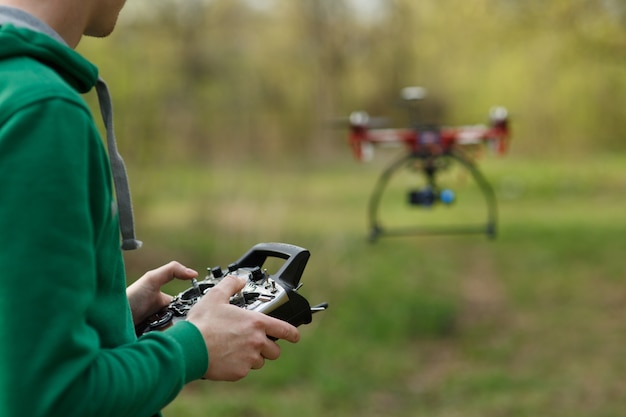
429, 164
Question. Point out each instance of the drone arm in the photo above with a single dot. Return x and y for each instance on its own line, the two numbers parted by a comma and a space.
496, 135
363, 136
363, 139
357, 141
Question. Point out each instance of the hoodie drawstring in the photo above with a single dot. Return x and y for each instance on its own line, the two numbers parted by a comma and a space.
120, 180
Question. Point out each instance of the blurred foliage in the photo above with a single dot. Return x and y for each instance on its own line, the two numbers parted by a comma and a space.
528, 324
213, 79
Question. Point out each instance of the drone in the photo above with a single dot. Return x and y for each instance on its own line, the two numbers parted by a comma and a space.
430, 148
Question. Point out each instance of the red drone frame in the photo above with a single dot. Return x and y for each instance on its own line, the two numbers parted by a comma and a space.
427, 145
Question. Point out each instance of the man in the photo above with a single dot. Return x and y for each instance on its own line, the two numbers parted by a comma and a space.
67, 342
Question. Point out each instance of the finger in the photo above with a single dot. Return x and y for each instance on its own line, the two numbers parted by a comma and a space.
180, 271
258, 364
166, 299
170, 271
271, 350
281, 330
226, 288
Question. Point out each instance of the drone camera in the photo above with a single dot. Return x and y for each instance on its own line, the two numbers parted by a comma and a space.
428, 196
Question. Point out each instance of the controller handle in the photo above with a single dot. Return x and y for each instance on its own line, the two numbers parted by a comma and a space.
290, 272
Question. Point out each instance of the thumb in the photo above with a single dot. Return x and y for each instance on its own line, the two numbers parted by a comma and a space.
166, 273
227, 287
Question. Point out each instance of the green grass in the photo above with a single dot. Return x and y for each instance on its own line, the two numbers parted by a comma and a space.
528, 324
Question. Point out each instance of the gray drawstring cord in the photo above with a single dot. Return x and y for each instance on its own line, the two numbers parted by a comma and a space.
120, 180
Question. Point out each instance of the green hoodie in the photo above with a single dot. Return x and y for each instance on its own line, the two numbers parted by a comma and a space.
67, 344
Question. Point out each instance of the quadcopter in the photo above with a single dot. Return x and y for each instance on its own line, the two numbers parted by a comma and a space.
430, 149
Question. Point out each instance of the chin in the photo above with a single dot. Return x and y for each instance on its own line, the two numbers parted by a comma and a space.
98, 33
101, 30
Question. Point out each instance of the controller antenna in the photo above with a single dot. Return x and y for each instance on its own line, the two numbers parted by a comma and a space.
319, 307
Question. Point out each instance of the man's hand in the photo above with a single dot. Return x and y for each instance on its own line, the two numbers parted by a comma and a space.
236, 339
145, 296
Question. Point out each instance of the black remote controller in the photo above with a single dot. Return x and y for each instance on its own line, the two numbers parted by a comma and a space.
275, 295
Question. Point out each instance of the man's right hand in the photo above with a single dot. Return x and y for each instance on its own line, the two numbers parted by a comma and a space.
237, 339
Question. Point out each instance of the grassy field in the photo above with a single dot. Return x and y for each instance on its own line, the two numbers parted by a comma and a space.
528, 324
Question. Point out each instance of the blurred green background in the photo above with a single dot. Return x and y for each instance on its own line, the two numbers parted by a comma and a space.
231, 116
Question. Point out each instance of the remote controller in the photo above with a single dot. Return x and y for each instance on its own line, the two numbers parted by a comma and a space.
273, 294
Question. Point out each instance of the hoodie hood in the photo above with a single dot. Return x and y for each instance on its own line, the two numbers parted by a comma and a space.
21, 35
24, 35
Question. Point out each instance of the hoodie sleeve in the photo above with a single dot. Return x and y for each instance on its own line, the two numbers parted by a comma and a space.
67, 347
